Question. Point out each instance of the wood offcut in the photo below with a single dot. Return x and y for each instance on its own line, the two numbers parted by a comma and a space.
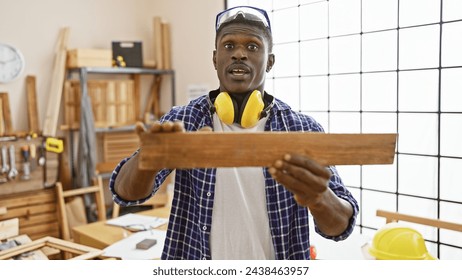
6, 124
222, 149
395, 217
32, 107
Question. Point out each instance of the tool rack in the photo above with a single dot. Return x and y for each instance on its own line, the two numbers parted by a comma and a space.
32, 200
37, 172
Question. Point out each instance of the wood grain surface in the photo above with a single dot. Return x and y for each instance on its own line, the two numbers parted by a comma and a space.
222, 149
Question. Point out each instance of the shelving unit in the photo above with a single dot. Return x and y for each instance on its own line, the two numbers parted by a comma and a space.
84, 76
85, 71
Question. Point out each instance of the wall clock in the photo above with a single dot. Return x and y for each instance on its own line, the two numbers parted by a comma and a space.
11, 63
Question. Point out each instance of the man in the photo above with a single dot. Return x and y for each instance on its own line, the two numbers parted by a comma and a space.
247, 212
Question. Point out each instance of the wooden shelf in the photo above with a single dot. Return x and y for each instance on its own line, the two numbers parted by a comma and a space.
102, 129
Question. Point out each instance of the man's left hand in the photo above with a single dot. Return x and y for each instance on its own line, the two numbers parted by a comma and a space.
303, 177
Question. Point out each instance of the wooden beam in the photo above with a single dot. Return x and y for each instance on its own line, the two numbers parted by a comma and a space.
166, 46
57, 83
215, 149
32, 111
395, 217
136, 96
6, 114
158, 52
2, 121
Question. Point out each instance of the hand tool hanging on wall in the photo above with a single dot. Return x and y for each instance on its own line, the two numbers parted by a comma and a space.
33, 156
13, 171
54, 145
25, 152
41, 155
5, 166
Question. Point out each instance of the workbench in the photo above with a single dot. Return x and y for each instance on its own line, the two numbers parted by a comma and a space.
100, 235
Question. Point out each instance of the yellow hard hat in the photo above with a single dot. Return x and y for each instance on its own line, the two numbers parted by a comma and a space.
397, 242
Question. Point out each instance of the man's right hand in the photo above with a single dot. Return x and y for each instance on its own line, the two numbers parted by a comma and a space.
131, 182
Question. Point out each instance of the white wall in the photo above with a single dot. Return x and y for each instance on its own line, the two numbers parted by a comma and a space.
33, 27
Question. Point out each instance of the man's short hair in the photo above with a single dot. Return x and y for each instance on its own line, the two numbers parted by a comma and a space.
242, 20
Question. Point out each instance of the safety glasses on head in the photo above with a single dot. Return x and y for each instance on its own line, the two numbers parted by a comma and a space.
248, 12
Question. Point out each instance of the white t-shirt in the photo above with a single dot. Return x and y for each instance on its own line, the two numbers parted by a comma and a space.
240, 224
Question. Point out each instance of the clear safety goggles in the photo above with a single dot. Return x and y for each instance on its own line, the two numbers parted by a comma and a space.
256, 14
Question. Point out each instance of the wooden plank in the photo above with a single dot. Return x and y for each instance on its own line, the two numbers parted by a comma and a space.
37, 219
32, 107
394, 217
54, 95
89, 58
166, 49
40, 230
152, 105
84, 252
122, 103
156, 101
117, 145
214, 149
28, 198
37, 254
80, 191
97, 90
28, 212
2, 122
51, 232
158, 42
6, 114
69, 106
136, 97
9, 228
111, 105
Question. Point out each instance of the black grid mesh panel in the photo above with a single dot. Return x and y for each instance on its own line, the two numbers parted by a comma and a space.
380, 66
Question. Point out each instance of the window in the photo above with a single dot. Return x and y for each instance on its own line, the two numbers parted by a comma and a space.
378, 66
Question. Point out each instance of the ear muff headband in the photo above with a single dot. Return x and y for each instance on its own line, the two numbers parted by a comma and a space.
249, 114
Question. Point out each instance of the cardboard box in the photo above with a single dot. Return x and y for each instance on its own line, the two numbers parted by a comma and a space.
89, 58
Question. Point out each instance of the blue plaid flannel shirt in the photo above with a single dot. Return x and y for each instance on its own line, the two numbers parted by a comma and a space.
190, 220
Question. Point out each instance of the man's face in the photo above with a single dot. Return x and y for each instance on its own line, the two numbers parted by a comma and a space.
241, 58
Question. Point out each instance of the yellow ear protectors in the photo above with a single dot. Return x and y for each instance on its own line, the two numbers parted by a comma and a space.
247, 116
224, 106
251, 110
